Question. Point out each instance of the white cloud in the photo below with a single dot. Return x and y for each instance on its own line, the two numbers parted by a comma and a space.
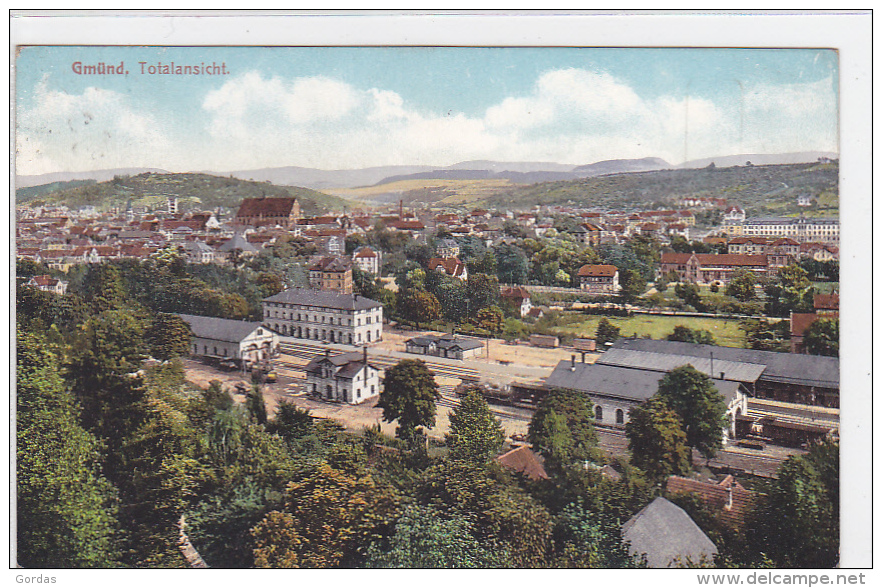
93, 130
568, 116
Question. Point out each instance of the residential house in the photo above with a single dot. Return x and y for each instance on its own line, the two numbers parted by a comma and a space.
451, 266
522, 460
445, 248
666, 536
519, 297
238, 246
331, 273
346, 377
324, 316
727, 499
588, 233
599, 280
48, 284
825, 305
367, 260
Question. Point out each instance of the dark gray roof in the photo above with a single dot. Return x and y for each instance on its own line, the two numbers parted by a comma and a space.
663, 362
207, 327
347, 364
323, 299
446, 342
792, 368
664, 532
619, 382
238, 242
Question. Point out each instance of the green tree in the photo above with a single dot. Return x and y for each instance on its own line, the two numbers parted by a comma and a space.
103, 288
690, 294
512, 266
482, 290
107, 352
255, 404
687, 335
409, 396
66, 509
269, 284
489, 319
475, 434
328, 519
419, 306
700, 406
584, 539
606, 332
562, 429
791, 291
822, 337
656, 440
168, 336
742, 285
797, 523
633, 284
427, 537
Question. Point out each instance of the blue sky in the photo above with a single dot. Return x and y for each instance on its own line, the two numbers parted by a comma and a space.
335, 108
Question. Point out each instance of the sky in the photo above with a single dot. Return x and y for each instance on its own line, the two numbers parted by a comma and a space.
357, 107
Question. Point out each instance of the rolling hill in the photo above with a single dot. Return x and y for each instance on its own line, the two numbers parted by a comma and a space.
759, 189
194, 191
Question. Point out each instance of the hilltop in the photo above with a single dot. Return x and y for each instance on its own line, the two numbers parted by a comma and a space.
194, 191
759, 189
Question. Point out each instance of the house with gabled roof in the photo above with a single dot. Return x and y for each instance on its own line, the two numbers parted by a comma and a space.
522, 460
599, 279
244, 342
519, 297
48, 284
666, 536
727, 499
350, 378
451, 266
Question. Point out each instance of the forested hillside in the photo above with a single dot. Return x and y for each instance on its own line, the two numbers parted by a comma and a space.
194, 191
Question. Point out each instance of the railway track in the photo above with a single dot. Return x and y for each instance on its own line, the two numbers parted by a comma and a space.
309, 351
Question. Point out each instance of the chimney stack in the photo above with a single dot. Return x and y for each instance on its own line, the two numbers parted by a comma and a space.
364, 349
729, 497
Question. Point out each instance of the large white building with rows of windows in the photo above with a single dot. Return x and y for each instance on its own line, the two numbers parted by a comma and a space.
324, 316
801, 229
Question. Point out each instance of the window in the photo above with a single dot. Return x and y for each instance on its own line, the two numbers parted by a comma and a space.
598, 412
620, 416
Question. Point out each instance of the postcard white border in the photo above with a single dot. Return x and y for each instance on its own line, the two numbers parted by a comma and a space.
849, 32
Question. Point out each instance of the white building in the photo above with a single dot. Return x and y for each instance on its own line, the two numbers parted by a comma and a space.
802, 229
367, 260
324, 316
48, 284
347, 377
217, 338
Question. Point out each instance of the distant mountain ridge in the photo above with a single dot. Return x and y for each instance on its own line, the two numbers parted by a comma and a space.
516, 172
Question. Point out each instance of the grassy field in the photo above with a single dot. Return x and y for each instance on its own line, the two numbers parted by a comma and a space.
725, 331
446, 191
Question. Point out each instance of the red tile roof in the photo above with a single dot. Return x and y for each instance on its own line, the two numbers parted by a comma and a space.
717, 497
266, 207
598, 270
523, 460
452, 266
826, 301
515, 292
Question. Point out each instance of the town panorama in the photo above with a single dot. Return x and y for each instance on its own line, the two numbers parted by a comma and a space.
620, 363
